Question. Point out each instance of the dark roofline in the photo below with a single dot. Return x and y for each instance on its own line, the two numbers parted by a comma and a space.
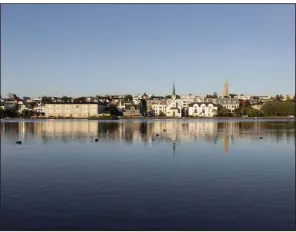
153, 97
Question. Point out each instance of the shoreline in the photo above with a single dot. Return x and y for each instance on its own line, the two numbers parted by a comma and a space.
150, 118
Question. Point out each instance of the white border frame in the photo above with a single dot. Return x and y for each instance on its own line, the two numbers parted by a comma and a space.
153, 1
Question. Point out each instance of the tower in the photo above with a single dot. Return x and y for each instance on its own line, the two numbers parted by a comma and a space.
174, 92
225, 90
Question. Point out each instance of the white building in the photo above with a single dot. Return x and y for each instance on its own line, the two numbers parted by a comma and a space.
261, 98
243, 97
157, 106
21, 107
71, 110
121, 103
202, 109
40, 108
174, 107
186, 100
257, 106
286, 97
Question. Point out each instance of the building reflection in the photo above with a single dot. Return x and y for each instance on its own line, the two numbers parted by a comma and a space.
149, 132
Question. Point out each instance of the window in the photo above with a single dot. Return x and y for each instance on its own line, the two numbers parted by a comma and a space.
195, 111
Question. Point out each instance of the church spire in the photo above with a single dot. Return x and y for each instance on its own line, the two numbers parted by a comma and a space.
174, 92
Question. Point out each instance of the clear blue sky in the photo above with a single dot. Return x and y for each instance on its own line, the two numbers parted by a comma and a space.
98, 49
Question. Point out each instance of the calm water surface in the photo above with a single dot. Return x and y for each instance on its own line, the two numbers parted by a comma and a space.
196, 174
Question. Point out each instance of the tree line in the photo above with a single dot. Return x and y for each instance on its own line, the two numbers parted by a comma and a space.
275, 108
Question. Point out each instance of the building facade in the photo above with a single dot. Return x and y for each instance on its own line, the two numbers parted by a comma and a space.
71, 110
187, 100
131, 110
157, 106
202, 109
229, 103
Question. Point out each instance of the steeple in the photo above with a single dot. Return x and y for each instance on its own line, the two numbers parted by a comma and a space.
174, 92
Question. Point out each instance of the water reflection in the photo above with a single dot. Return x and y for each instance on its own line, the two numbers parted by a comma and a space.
150, 132
147, 174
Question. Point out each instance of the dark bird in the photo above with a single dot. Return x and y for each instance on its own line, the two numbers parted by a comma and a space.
96, 140
18, 142
260, 137
157, 134
164, 130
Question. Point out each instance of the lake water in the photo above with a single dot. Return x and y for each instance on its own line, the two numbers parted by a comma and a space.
196, 174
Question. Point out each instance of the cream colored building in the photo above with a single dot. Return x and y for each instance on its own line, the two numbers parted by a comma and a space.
157, 106
229, 103
71, 110
202, 109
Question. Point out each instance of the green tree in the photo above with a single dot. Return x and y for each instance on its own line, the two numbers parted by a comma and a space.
278, 98
46, 100
1, 113
279, 108
80, 100
222, 111
143, 107
128, 97
113, 110
161, 114
170, 96
31, 105
66, 99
